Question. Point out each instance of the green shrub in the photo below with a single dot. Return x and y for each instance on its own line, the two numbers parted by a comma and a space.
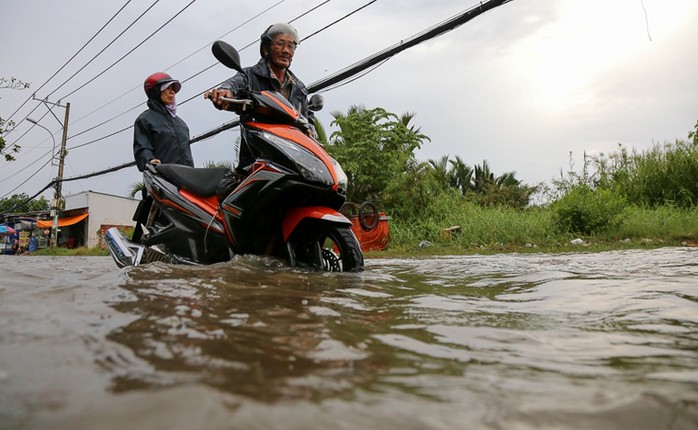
587, 211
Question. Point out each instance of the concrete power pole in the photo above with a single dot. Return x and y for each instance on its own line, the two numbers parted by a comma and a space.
59, 180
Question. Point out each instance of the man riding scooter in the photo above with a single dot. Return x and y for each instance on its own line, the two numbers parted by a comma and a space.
277, 46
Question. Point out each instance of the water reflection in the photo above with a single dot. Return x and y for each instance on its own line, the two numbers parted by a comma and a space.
250, 327
513, 333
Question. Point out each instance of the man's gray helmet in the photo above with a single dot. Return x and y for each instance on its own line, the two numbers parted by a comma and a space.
273, 31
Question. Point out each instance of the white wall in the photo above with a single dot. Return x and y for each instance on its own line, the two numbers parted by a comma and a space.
104, 209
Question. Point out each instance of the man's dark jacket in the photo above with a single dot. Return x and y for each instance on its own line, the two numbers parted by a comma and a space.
260, 80
157, 134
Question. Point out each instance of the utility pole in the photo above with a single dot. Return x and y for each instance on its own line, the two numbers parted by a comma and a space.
57, 200
59, 179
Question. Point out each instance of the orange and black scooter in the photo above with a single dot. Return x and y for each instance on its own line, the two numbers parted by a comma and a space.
286, 206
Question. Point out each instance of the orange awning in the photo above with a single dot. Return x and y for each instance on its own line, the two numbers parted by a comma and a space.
62, 222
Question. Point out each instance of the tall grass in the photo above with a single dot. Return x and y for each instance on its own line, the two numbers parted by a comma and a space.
477, 226
624, 199
534, 229
666, 174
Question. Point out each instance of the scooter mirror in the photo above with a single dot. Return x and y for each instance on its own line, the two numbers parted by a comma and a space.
227, 55
316, 102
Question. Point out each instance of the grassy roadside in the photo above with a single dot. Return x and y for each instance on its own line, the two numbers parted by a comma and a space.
81, 251
502, 230
506, 230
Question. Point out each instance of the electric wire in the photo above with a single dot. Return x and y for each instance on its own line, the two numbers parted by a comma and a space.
103, 49
232, 123
373, 61
128, 53
209, 67
116, 62
27, 180
326, 1
241, 49
170, 67
71, 58
359, 76
167, 68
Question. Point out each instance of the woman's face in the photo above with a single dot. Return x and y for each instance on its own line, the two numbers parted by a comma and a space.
168, 95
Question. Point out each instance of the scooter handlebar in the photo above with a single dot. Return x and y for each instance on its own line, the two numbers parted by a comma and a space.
243, 103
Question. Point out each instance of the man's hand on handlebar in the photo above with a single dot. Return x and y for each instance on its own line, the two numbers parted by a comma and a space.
218, 96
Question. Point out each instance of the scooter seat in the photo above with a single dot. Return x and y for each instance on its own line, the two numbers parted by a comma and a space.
202, 181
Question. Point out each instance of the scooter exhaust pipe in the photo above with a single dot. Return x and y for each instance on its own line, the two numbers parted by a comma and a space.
123, 251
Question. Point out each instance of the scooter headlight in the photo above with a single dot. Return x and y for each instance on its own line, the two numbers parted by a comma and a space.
342, 179
310, 167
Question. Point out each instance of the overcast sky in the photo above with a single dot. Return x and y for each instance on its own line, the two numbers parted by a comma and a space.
521, 86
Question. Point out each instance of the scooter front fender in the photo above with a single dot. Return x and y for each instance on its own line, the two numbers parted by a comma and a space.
295, 215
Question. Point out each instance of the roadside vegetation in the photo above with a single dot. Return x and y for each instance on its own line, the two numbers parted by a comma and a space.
623, 200
80, 251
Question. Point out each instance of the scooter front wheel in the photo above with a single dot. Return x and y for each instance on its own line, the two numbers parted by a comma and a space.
328, 247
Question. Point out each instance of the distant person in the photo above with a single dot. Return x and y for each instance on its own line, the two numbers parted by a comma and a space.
159, 135
271, 73
33, 244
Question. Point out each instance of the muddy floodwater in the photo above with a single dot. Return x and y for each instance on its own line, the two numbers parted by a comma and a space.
511, 341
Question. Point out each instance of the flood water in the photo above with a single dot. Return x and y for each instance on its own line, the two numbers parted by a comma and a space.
537, 341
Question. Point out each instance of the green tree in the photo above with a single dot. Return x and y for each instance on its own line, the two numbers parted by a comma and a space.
321, 132
13, 84
373, 146
411, 194
20, 203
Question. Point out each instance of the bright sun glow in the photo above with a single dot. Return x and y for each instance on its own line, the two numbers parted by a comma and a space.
597, 38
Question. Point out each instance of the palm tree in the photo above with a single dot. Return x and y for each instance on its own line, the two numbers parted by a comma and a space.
321, 133
507, 179
405, 119
483, 177
226, 164
460, 175
135, 188
440, 171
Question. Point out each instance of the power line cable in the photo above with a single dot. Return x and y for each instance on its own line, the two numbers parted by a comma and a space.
27, 180
174, 65
211, 66
334, 79
129, 52
229, 125
105, 48
436, 30
170, 67
71, 58
83, 67
116, 62
124, 129
348, 81
31, 164
355, 68
202, 71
